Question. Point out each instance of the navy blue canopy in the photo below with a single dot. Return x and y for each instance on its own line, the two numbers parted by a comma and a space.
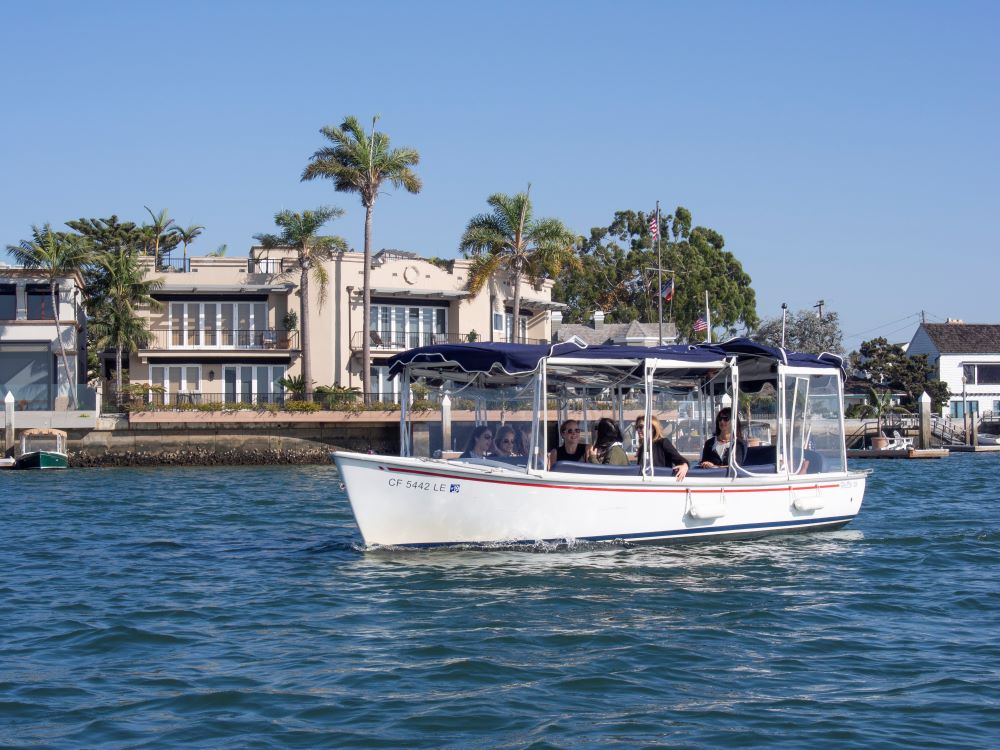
509, 359
520, 359
744, 347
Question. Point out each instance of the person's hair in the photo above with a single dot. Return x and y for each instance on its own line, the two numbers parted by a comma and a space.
607, 433
478, 430
656, 429
566, 423
499, 435
728, 414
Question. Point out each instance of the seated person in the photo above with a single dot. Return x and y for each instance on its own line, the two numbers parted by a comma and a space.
571, 449
664, 452
504, 444
717, 450
607, 447
480, 442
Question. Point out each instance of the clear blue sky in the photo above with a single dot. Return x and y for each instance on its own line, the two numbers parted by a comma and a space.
847, 151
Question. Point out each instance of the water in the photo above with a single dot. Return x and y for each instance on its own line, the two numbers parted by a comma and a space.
232, 608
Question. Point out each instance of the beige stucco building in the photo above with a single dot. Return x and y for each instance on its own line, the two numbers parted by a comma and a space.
222, 331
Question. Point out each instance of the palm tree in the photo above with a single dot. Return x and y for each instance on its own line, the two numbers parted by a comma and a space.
880, 405
360, 164
298, 231
161, 223
511, 240
57, 255
121, 288
187, 236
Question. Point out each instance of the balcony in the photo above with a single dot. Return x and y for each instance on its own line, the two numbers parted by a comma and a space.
394, 341
258, 339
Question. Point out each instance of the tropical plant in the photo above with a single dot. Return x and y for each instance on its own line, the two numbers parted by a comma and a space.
298, 232
187, 236
336, 396
121, 288
510, 239
56, 255
219, 252
158, 232
290, 321
359, 163
879, 405
295, 384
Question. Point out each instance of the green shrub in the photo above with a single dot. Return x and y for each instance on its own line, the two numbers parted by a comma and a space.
302, 406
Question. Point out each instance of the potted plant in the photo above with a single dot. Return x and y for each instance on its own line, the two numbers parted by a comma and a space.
879, 405
472, 337
290, 323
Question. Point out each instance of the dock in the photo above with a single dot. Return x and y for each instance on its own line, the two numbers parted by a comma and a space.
909, 454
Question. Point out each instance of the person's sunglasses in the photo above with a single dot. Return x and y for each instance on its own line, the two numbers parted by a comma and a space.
576, 429
506, 442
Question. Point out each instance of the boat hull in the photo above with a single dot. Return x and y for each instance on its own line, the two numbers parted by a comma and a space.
42, 460
411, 502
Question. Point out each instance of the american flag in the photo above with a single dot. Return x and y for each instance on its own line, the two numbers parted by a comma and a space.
701, 324
654, 227
667, 290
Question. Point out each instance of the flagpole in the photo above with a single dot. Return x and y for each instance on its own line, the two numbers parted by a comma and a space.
659, 276
708, 320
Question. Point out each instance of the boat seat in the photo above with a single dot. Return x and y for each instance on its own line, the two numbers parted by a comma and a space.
758, 455
581, 467
757, 469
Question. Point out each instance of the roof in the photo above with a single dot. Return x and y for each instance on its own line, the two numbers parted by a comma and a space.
964, 338
615, 332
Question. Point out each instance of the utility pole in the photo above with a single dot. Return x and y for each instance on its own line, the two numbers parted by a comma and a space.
659, 278
819, 305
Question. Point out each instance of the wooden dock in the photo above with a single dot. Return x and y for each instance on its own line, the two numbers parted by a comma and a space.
910, 453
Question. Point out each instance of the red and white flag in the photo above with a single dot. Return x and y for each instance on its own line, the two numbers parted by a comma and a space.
654, 226
701, 324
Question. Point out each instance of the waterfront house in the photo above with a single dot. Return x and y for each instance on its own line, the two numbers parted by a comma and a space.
224, 332
30, 351
596, 331
968, 352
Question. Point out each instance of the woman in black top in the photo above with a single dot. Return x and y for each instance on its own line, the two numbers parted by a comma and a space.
664, 452
480, 442
571, 449
715, 454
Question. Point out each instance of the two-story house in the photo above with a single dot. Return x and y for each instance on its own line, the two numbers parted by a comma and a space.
223, 332
31, 366
967, 358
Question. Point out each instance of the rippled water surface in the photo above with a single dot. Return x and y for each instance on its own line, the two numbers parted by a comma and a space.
233, 608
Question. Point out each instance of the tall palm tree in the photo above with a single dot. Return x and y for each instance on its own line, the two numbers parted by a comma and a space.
121, 288
57, 255
298, 231
358, 163
187, 236
509, 239
161, 223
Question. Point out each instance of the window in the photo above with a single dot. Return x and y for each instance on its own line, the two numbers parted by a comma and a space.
988, 374
8, 302
39, 302
406, 327
237, 325
958, 410
179, 382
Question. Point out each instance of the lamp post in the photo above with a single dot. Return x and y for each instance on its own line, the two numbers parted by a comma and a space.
784, 314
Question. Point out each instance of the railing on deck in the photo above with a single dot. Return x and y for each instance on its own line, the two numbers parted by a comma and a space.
396, 341
222, 338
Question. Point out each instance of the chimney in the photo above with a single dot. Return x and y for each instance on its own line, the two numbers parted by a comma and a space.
598, 319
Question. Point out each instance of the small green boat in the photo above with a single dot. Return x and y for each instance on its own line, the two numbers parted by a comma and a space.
42, 448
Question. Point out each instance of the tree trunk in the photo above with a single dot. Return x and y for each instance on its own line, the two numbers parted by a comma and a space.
366, 317
304, 329
118, 374
515, 327
62, 347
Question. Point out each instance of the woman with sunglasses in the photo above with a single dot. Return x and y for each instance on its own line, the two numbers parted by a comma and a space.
571, 449
717, 450
480, 442
505, 443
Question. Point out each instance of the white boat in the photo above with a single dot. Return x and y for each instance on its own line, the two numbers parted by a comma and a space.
798, 483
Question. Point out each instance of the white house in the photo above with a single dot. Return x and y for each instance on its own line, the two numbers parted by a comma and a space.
967, 358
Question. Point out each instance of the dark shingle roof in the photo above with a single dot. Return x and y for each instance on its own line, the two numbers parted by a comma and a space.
964, 338
611, 332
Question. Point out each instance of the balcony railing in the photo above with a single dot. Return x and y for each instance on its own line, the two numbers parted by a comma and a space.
222, 338
396, 341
